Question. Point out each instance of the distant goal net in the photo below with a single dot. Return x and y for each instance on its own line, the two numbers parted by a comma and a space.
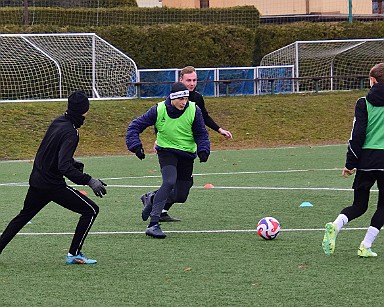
51, 66
331, 64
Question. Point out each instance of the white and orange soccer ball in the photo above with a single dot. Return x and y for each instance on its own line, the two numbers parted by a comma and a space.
268, 228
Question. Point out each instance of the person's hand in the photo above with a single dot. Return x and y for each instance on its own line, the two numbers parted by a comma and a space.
154, 147
98, 187
203, 156
79, 165
226, 133
139, 152
347, 172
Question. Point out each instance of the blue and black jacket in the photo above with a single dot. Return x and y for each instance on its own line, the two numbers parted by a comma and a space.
148, 119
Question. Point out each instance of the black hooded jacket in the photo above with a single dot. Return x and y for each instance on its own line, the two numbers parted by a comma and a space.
357, 157
197, 98
54, 158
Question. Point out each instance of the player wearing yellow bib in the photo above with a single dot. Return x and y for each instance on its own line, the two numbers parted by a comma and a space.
181, 136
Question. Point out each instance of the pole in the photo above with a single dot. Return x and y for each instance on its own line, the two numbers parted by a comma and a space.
350, 11
25, 13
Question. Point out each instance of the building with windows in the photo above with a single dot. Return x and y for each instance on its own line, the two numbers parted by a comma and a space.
284, 7
149, 3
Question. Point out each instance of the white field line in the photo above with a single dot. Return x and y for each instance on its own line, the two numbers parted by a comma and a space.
178, 231
24, 184
234, 173
242, 188
215, 187
204, 174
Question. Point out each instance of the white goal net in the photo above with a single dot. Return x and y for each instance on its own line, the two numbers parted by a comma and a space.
329, 64
51, 66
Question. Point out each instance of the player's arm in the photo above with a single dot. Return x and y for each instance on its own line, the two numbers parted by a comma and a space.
358, 134
208, 120
66, 163
201, 136
137, 126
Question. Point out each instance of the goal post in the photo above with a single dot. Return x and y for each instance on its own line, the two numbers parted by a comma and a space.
51, 66
332, 64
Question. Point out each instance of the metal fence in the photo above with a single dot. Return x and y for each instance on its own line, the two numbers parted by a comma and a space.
225, 81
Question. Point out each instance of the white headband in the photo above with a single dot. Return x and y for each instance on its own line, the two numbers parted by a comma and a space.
179, 94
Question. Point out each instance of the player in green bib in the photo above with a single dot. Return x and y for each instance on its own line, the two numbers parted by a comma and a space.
181, 136
365, 156
168, 128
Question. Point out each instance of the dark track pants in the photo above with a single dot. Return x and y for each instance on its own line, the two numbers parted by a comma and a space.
177, 181
67, 197
362, 184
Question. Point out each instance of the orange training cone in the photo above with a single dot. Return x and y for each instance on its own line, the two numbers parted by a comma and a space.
209, 186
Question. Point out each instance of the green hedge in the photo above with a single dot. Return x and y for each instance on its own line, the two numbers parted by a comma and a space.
247, 16
177, 45
164, 46
167, 46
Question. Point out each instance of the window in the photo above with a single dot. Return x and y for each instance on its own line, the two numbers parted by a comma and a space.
204, 4
377, 7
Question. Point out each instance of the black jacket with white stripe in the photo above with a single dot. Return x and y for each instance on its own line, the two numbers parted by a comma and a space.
357, 157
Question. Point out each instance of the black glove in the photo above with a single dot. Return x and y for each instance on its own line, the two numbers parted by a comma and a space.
139, 152
98, 187
79, 165
203, 156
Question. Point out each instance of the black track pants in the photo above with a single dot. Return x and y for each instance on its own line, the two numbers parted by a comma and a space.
177, 181
67, 197
363, 182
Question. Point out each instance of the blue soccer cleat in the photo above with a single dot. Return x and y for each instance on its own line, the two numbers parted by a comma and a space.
79, 259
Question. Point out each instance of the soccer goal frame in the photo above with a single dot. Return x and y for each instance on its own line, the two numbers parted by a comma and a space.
329, 64
36, 67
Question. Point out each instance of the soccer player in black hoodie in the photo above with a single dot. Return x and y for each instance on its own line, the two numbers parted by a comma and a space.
365, 155
54, 161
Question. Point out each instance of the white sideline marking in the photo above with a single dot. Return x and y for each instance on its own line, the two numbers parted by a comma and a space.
16, 184
175, 231
25, 184
234, 173
203, 174
201, 187
240, 188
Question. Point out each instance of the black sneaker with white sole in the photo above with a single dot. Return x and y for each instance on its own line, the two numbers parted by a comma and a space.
166, 218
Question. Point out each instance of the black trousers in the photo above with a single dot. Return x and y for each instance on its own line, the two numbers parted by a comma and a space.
177, 178
362, 184
67, 197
